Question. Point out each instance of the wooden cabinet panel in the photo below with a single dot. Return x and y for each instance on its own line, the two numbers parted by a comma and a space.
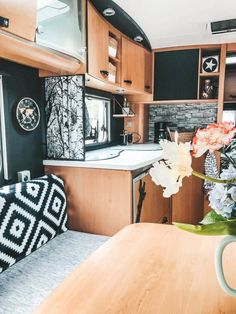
22, 17
132, 73
98, 201
188, 204
98, 34
176, 75
148, 67
30, 54
155, 207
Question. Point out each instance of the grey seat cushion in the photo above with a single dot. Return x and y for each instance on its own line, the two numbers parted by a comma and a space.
26, 284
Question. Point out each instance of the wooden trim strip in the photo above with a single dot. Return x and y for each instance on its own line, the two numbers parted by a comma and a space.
221, 82
136, 100
231, 47
187, 47
30, 54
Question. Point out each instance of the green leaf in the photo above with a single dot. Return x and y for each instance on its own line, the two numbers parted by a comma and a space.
211, 218
218, 228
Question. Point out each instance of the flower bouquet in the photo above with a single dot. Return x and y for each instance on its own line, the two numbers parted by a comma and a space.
176, 164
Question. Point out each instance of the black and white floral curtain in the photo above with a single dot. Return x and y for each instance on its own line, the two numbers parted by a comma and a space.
64, 117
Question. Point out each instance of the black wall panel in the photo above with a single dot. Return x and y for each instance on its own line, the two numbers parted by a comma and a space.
24, 149
176, 75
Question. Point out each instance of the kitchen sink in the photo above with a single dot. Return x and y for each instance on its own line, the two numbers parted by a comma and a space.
102, 155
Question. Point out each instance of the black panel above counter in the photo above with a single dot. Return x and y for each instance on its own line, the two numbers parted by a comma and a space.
176, 74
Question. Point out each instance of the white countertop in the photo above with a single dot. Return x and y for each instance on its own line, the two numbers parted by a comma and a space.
130, 157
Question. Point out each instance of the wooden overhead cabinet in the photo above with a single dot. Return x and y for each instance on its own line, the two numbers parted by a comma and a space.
98, 34
21, 17
133, 59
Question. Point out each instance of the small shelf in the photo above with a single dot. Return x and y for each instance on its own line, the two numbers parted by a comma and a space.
230, 101
187, 101
123, 115
207, 101
209, 74
114, 59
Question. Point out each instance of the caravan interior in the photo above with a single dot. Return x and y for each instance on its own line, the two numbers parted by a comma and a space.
117, 156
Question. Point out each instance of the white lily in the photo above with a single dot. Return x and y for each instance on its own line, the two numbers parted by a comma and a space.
175, 165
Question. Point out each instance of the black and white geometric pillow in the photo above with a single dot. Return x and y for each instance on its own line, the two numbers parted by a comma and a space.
31, 214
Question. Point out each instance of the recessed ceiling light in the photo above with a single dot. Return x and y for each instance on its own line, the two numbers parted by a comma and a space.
138, 38
109, 12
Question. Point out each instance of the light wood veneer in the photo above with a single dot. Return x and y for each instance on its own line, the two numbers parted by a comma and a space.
30, 54
22, 17
148, 269
99, 201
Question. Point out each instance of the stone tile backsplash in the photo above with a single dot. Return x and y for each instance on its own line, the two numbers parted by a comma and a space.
186, 116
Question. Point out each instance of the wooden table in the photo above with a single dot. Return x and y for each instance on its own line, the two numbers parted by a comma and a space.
151, 269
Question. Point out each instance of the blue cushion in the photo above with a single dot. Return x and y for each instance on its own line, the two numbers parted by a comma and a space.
31, 214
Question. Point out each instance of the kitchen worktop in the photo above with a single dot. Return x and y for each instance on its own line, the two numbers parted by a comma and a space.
130, 157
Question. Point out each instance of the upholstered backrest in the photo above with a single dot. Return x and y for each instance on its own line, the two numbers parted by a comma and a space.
31, 214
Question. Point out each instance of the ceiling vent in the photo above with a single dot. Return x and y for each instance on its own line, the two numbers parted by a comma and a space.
222, 27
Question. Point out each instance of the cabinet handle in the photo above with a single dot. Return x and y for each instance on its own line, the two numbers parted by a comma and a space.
4, 22
147, 87
128, 82
39, 29
164, 220
232, 96
104, 72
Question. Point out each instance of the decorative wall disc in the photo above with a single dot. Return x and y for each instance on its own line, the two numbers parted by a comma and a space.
210, 64
27, 114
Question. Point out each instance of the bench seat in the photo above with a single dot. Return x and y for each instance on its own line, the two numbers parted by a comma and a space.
26, 284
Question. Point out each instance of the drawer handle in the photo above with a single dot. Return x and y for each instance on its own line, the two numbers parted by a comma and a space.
147, 87
4, 22
128, 82
232, 96
104, 72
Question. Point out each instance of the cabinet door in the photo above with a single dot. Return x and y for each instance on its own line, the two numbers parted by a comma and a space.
188, 203
148, 71
132, 65
22, 17
155, 207
98, 34
176, 75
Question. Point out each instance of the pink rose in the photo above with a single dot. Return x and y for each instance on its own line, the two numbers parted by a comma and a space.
213, 137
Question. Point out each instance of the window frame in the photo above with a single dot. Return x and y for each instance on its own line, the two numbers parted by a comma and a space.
108, 100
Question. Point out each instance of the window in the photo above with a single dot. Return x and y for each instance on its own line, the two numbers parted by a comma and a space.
97, 120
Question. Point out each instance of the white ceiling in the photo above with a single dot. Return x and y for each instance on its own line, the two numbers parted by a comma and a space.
170, 23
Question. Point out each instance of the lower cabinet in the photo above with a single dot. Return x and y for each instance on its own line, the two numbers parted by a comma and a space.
188, 204
102, 201
99, 201
155, 208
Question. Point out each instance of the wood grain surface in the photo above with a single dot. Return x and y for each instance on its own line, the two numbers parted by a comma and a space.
22, 17
98, 200
148, 269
